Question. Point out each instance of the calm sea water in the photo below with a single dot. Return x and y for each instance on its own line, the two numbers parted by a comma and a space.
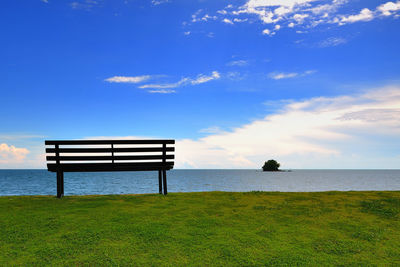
42, 182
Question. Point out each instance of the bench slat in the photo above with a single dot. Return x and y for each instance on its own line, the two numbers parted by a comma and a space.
82, 167
108, 142
89, 158
109, 150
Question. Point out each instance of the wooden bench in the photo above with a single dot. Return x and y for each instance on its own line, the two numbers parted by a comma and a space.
109, 156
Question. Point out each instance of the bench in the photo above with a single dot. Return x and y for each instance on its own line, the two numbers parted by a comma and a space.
109, 156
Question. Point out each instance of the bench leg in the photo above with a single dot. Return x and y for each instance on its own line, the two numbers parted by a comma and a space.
165, 181
159, 181
60, 184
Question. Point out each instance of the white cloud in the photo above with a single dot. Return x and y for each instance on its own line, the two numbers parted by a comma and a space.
240, 20
207, 17
364, 15
10, 154
204, 78
161, 91
197, 18
271, 11
319, 132
268, 32
282, 75
228, 21
181, 82
326, 9
308, 72
187, 33
287, 75
282, 11
158, 2
128, 79
388, 8
269, 3
304, 14
384, 10
239, 63
201, 78
299, 18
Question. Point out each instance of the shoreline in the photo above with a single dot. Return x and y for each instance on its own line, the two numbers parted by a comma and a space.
211, 192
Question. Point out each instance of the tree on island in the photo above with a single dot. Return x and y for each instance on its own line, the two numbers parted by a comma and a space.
271, 166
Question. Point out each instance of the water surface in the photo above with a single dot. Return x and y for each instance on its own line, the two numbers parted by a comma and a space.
42, 182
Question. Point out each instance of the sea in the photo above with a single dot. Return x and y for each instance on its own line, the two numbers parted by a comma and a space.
42, 182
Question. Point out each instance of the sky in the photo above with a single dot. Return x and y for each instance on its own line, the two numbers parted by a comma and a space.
310, 83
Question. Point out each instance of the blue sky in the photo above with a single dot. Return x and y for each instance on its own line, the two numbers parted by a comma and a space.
314, 84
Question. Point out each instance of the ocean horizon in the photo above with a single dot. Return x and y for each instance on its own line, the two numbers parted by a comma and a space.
43, 182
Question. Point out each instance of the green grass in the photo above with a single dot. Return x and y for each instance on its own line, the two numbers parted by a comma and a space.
211, 228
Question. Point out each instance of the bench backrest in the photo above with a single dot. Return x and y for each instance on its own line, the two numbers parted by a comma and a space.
106, 152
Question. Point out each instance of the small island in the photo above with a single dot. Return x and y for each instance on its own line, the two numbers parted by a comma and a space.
271, 166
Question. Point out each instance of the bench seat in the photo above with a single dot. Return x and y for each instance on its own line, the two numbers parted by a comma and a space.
104, 167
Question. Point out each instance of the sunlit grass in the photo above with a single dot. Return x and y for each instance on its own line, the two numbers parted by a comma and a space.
213, 228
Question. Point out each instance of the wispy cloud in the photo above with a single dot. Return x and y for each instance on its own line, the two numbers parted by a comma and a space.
161, 88
128, 79
268, 32
235, 75
179, 83
201, 78
158, 2
282, 75
204, 78
198, 16
240, 20
239, 63
223, 12
227, 21
84, 4
332, 41
287, 75
321, 132
162, 91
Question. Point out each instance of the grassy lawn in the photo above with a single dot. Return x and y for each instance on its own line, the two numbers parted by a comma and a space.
211, 228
